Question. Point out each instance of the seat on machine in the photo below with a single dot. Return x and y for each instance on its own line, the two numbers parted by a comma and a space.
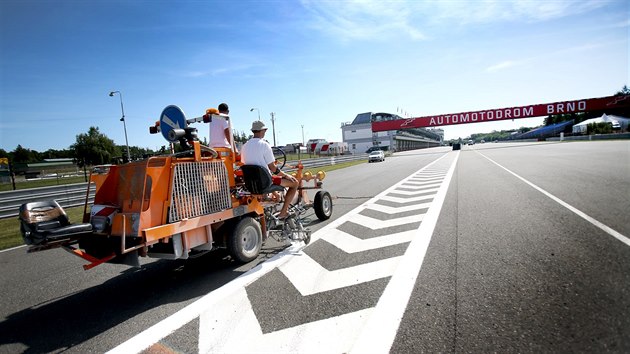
258, 180
44, 222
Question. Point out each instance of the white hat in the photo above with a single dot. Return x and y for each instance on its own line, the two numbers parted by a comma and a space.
258, 125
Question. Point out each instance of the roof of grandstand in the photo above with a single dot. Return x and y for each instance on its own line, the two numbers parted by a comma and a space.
546, 131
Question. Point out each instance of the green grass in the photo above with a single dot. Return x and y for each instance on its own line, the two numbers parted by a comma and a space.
41, 183
10, 235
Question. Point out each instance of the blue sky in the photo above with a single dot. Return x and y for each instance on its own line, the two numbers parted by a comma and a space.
313, 63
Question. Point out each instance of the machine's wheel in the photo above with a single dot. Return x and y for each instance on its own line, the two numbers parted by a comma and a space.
246, 240
323, 205
280, 156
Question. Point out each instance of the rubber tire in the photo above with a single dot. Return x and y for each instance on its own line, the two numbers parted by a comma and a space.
245, 242
323, 205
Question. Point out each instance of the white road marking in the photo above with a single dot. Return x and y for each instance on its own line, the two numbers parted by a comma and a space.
609, 230
351, 244
11, 249
407, 200
380, 330
395, 210
309, 277
224, 309
376, 224
422, 184
424, 178
170, 324
410, 193
217, 334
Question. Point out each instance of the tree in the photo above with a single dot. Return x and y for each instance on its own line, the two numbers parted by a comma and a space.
56, 154
22, 155
93, 148
599, 128
624, 91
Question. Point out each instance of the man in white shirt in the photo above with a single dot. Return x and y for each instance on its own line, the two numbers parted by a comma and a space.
258, 152
220, 129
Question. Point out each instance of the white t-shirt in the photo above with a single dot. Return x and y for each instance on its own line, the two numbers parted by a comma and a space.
217, 132
257, 152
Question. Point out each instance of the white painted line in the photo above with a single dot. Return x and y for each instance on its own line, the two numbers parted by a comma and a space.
425, 180
351, 244
412, 193
376, 224
395, 210
408, 200
422, 184
309, 277
380, 330
429, 174
225, 293
11, 249
217, 332
170, 324
619, 236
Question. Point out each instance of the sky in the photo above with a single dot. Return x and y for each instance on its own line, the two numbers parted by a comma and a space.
315, 64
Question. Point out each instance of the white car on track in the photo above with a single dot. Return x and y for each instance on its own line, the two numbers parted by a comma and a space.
376, 155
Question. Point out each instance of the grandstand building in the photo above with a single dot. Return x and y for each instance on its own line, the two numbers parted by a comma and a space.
359, 136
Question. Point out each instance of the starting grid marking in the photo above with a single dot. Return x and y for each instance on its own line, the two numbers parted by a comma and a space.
227, 316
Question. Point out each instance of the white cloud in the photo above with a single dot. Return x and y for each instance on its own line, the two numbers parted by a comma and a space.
375, 19
362, 19
502, 65
493, 11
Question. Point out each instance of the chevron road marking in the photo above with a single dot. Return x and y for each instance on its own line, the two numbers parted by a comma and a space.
309, 277
394, 210
192, 311
410, 193
376, 224
351, 244
217, 334
424, 185
407, 200
380, 330
431, 174
227, 322
427, 178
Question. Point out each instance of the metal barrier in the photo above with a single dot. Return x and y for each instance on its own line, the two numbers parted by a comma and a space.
72, 195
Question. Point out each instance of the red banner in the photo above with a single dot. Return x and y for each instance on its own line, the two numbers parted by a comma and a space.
490, 115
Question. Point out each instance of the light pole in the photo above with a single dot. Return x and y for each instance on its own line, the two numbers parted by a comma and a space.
302, 134
273, 127
111, 94
251, 110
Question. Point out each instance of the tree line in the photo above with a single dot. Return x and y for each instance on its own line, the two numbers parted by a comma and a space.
95, 148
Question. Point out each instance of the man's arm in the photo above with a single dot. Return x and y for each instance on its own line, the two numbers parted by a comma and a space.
277, 171
227, 135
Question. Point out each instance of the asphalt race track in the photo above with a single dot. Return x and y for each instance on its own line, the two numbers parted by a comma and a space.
495, 248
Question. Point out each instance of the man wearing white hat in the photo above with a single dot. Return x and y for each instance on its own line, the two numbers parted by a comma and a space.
257, 151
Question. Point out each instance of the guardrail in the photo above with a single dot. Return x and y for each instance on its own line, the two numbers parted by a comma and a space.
72, 195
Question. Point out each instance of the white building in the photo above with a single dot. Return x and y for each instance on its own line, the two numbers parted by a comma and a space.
359, 136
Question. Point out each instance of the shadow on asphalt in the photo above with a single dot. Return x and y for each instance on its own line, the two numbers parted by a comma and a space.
63, 323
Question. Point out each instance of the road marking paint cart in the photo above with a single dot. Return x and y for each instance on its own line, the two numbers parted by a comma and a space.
174, 206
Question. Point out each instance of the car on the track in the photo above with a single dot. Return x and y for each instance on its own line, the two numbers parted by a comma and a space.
376, 155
